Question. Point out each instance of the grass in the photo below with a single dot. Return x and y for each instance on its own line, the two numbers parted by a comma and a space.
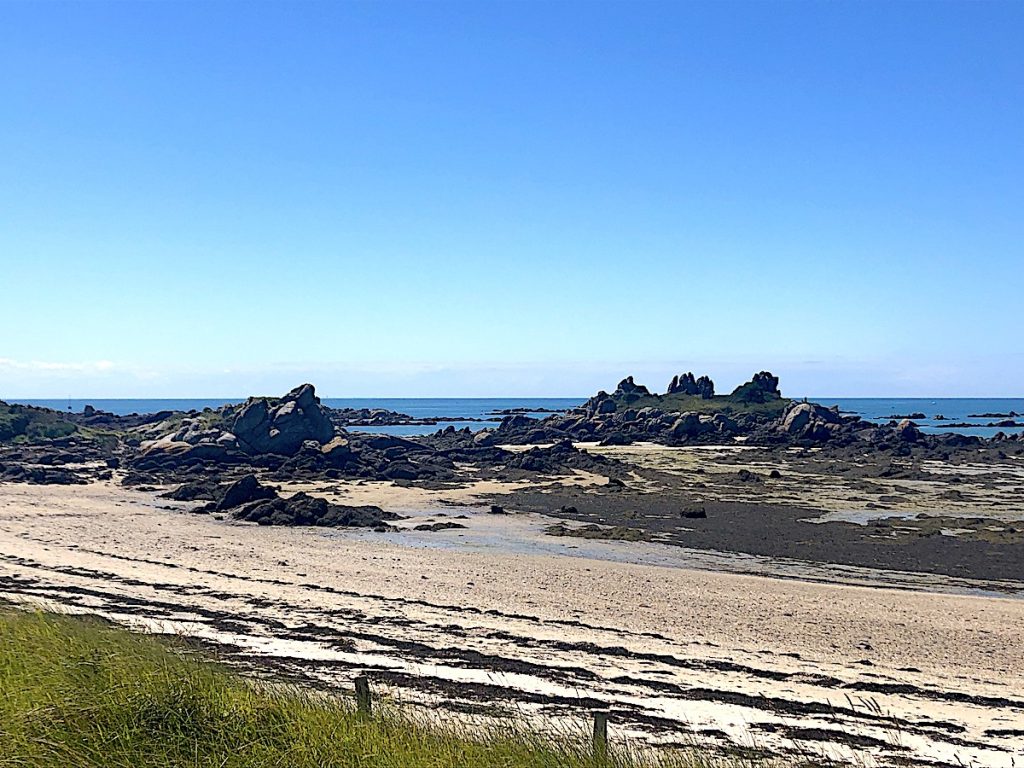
27, 422
81, 693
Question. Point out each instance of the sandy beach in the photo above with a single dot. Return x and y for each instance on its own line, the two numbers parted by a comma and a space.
495, 616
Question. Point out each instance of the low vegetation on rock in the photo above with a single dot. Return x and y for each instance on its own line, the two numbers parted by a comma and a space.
27, 423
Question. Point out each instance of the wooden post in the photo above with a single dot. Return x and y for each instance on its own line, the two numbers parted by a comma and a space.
600, 736
363, 695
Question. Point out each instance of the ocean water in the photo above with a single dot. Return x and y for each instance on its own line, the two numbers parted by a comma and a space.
955, 410
454, 411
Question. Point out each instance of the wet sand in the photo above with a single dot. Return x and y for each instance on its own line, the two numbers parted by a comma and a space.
962, 519
490, 619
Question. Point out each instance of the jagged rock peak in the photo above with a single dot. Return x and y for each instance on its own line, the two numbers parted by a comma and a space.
628, 387
762, 388
686, 384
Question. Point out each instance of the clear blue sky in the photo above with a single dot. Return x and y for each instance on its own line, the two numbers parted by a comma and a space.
506, 198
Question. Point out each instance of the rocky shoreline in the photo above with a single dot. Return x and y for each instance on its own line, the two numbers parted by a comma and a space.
674, 556
788, 449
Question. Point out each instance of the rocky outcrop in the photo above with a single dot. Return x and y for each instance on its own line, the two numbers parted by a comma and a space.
616, 438
248, 499
282, 427
604, 420
762, 388
207, 489
303, 509
337, 452
686, 384
167, 451
629, 389
692, 425
560, 458
244, 491
260, 427
810, 421
908, 431
600, 403
40, 475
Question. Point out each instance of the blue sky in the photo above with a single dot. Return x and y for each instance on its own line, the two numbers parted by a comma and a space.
505, 198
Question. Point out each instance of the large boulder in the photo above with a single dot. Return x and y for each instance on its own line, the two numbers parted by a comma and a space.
601, 403
796, 419
282, 427
165, 446
252, 424
722, 423
687, 425
809, 421
908, 431
168, 451
338, 452
516, 421
244, 491
617, 438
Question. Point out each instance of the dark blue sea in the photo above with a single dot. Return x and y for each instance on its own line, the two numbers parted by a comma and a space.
455, 411
955, 410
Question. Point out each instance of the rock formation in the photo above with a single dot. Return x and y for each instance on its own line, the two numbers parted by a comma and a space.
686, 384
630, 390
810, 421
762, 388
908, 432
282, 428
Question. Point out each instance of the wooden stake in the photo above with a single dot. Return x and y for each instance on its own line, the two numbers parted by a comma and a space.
600, 736
363, 695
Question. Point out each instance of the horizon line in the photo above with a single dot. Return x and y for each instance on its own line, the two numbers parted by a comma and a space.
238, 398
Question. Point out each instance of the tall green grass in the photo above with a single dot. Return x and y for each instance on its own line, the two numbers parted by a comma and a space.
77, 692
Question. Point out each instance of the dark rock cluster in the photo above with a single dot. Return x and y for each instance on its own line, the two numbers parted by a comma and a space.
249, 500
601, 420
259, 427
60, 461
296, 437
630, 390
762, 388
686, 384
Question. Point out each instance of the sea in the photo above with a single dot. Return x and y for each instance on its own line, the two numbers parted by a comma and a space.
477, 413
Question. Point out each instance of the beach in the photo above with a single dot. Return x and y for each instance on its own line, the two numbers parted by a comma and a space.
782, 665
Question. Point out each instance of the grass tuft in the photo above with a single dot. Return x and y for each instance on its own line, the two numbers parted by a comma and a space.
81, 693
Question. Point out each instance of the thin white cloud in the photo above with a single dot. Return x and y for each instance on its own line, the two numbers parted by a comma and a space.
95, 366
